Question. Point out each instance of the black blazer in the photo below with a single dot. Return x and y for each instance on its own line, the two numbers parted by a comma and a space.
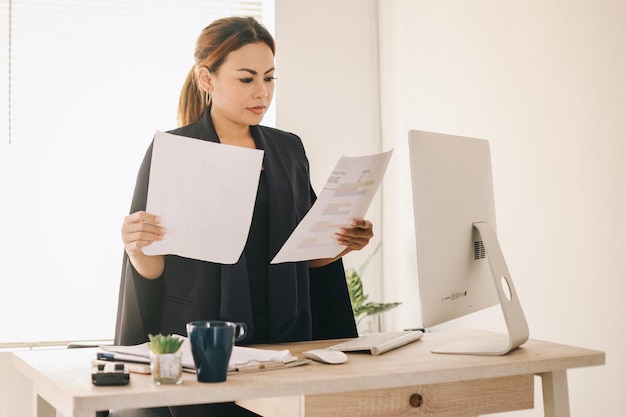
304, 303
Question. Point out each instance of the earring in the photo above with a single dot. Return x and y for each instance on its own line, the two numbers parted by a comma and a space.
207, 98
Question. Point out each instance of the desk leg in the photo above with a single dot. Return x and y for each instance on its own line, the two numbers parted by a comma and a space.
555, 394
43, 408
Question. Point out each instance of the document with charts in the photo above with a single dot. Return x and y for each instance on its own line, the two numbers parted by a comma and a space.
347, 195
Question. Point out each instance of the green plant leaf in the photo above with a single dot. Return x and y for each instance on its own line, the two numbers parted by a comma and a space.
164, 344
355, 288
358, 297
377, 308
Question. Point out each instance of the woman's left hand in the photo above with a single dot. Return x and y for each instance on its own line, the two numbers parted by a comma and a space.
355, 236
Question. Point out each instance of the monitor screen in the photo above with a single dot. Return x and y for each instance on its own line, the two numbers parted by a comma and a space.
460, 271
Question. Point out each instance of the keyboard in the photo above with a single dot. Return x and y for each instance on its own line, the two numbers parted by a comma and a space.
378, 343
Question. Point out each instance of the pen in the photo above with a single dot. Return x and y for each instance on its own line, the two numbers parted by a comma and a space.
110, 357
105, 356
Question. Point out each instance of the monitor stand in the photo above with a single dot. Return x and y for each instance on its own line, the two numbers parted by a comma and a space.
511, 308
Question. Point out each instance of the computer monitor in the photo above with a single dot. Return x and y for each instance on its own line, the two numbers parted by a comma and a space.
461, 269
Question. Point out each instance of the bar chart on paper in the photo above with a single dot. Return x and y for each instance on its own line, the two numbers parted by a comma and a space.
347, 195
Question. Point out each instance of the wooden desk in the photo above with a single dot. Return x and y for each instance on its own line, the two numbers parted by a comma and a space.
407, 381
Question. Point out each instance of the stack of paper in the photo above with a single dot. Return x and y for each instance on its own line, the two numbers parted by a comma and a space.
242, 358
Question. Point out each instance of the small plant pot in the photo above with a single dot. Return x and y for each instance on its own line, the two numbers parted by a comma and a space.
166, 368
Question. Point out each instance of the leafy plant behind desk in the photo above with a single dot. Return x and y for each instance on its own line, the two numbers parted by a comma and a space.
361, 308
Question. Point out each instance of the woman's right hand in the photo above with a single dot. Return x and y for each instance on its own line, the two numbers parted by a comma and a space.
138, 231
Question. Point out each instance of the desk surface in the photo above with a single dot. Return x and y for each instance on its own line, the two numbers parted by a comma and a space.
63, 378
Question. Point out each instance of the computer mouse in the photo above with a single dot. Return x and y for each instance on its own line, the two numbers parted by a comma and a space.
332, 357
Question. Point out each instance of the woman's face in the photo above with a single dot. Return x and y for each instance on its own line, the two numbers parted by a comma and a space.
242, 88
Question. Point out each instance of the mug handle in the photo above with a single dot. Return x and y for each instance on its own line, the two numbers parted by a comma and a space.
241, 329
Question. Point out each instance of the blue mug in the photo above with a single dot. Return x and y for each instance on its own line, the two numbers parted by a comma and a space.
212, 344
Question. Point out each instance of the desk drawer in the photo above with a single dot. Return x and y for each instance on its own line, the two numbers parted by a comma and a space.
459, 399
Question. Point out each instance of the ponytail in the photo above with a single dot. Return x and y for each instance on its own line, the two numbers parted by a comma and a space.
192, 103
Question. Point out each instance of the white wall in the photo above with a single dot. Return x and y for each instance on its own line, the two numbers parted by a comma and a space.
544, 82
327, 93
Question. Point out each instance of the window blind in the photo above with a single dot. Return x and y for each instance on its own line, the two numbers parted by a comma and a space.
84, 86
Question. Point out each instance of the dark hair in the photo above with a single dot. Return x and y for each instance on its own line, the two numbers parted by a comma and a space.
215, 42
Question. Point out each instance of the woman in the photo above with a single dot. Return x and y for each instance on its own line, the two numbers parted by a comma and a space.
224, 98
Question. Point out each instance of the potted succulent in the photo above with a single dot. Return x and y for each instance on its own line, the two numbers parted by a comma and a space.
358, 298
166, 359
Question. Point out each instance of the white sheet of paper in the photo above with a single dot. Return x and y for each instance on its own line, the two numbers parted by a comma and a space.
347, 195
204, 193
